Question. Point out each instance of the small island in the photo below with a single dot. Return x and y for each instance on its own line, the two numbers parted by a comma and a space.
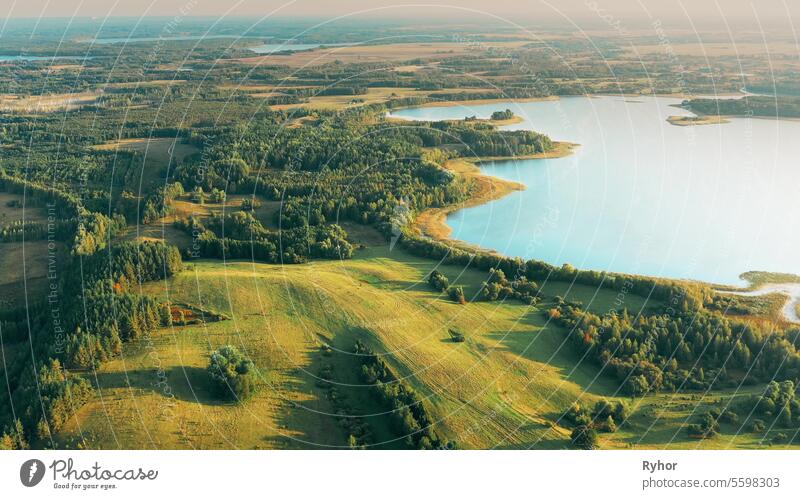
502, 115
696, 120
506, 117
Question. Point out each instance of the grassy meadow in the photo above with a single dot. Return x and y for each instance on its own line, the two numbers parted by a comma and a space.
504, 387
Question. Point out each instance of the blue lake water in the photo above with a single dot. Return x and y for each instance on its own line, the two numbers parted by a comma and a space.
269, 48
266, 48
641, 195
13, 58
177, 38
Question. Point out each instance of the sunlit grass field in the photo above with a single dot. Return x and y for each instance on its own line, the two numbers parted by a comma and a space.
504, 387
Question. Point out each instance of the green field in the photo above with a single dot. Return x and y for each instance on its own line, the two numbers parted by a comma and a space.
505, 387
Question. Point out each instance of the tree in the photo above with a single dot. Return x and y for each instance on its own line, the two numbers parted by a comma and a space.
456, 294
584, 437
456, 335
217, 195
637, 385
438, 281
503, 115
578, 415
165, 315
608, 425
250, 204
706, 428
14, 438
231, 373
198, 196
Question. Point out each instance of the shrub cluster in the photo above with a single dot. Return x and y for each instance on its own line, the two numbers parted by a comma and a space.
498, 287
438, 281
231, 374
503, 115
605, 416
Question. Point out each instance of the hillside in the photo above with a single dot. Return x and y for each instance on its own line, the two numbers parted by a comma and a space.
504, 387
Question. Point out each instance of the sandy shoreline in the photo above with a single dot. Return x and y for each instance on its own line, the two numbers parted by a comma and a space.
511, 121
433, 221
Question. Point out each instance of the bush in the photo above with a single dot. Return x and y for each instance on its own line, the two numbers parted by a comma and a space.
604, 409
584, 437
250, 204
503, 115
438, 281
231, 373
456, 294
498, 287
604, 417
607, 426
706, 428
456, 336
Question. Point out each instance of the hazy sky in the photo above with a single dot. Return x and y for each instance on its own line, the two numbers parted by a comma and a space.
625, 10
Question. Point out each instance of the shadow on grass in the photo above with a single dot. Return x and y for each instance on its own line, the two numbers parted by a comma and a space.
190, 384
548, 344
323, 419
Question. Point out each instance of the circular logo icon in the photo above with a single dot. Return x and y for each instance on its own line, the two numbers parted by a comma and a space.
31, 472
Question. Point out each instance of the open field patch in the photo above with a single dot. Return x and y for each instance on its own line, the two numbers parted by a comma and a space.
35, 104
374, 95
13, 208
371, 53
184, 208
25, 271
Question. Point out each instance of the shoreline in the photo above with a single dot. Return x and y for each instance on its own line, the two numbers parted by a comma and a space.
790, 290
497, 123
675, 95
474, 102
561, 149
454, 103
432, 222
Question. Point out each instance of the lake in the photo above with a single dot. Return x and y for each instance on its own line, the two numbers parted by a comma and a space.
177, 38
640, 195
269, 48
266, 48
14, 58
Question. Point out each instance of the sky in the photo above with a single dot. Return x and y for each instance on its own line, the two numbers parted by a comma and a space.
518, 10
